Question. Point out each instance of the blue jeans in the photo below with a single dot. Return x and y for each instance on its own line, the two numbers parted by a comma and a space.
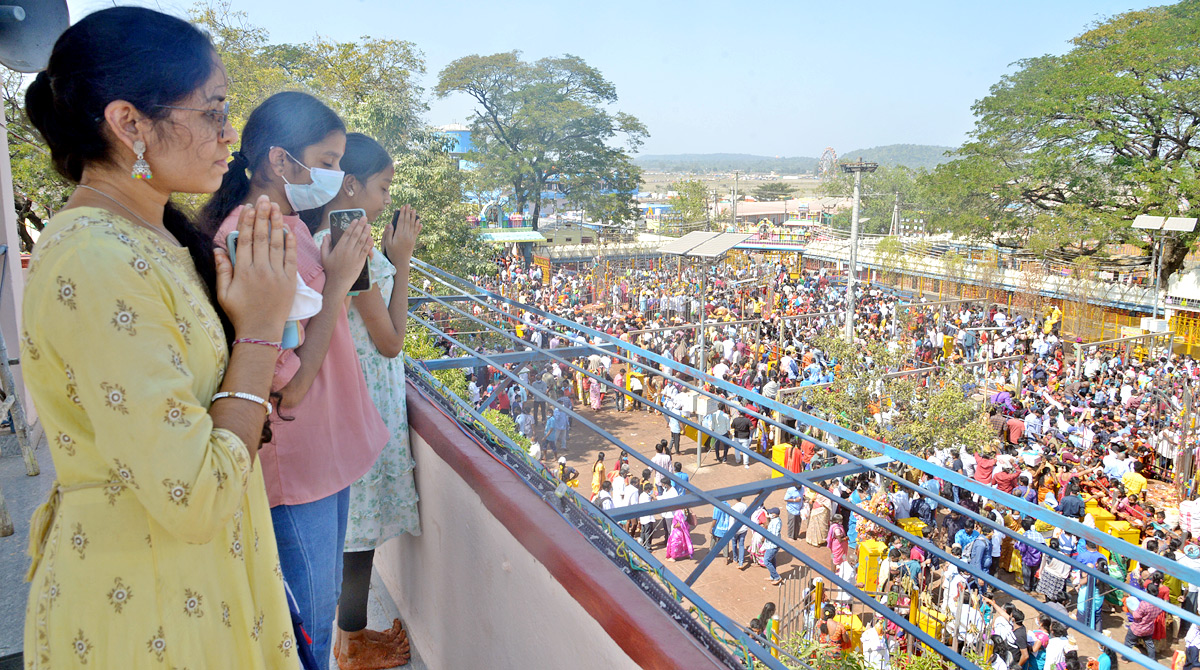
739, 549
769, 560
310, 538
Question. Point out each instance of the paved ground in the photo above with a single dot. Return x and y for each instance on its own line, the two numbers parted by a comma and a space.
740, 594
22, 494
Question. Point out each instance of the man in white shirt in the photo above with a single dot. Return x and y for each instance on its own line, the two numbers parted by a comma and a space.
649, 521
604, 499
525, 422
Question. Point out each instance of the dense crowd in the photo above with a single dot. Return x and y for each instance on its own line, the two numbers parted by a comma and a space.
1091, 433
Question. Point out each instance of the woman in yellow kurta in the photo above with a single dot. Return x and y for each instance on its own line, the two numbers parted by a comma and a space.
156, 548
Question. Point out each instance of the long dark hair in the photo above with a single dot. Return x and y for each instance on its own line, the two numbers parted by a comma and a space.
291, 120
364, 158
144, 57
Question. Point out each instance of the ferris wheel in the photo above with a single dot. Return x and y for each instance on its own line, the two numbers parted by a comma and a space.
828, 163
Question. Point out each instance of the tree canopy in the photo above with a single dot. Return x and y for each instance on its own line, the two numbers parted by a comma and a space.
543, 120
691, 200
775, 190
878, 194
1068, 149
371, 83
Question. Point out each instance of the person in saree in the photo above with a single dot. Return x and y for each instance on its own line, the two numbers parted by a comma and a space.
837, 541
598, 474
679, 542
595, 393
818, 518
1118, 568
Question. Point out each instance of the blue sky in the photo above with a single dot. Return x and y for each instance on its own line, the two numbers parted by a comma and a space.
768, 77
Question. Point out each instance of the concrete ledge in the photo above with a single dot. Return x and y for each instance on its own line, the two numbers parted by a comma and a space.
498, 579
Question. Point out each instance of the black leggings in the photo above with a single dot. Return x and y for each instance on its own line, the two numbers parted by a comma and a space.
356, 584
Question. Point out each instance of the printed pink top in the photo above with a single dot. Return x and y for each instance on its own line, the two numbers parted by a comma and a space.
336, 433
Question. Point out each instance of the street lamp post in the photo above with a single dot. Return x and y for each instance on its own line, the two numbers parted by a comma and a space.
857, 169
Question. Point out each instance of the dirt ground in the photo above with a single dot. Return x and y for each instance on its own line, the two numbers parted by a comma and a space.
740, 594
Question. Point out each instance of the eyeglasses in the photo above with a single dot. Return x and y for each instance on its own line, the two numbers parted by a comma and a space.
219, 118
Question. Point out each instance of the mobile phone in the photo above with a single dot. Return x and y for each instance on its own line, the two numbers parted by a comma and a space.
339, 221
291, 329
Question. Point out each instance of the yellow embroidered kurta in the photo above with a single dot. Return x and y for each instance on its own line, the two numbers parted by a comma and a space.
161, 552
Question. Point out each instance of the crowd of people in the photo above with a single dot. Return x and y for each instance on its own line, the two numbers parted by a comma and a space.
217, 452
1090, 433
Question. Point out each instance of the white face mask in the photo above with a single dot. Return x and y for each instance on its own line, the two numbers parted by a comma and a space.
324, 186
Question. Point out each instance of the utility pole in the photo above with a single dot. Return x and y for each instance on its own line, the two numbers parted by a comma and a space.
857, 169
895, 215
735, 198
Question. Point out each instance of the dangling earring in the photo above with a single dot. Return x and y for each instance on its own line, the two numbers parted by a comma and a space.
141, 169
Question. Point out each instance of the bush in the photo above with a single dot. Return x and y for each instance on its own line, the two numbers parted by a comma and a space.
419, 344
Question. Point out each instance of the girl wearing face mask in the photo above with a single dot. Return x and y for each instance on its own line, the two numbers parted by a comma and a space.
383, 504
327, 432
156, 548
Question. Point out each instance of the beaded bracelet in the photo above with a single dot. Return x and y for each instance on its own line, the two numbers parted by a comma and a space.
244, 396
278, 346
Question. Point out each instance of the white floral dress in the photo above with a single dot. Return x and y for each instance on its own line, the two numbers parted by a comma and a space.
383, 503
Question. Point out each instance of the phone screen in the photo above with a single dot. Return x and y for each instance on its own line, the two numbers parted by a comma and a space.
339, 221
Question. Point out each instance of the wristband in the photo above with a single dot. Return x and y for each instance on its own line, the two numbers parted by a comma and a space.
244, 396
277, 346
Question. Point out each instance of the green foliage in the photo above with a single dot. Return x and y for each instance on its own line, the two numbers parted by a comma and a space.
926, 417
878, 196
38, 191
606, 196
428, 178
859, 381
1069, 148
691, 200
549, 118
912, 156
773, 191
506, 425
940, 415
817, 656
419, 345
372, 84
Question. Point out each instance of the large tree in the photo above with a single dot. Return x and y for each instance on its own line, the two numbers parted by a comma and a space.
775, 190
1068, 149
690, 201
534, 121
372, 84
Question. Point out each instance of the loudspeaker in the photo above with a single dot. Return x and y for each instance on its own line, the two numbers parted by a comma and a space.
28, 31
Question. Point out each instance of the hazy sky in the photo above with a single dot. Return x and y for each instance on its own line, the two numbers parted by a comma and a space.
767, 77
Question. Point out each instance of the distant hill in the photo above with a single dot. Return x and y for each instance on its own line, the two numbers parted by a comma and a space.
913, 156
703, 163
910, 155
